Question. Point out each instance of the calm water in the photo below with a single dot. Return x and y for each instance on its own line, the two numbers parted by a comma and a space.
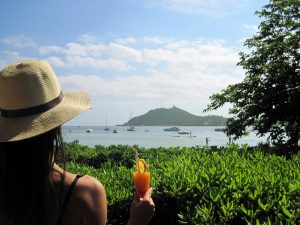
151, 136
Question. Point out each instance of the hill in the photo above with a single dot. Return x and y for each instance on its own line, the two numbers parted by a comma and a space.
174, 117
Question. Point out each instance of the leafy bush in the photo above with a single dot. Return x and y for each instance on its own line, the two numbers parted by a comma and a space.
196, 185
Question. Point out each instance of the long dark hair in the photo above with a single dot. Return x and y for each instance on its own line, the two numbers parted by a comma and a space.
25, 178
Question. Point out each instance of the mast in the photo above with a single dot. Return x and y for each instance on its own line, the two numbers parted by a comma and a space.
106, 127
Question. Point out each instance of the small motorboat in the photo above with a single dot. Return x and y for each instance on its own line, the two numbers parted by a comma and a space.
220, 129
172, 129
183, 132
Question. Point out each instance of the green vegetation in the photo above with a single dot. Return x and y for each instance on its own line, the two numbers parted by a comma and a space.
196, 185
175, 117
268, 97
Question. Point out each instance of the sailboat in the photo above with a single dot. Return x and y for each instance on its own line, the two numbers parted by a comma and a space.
106, 127
130, 128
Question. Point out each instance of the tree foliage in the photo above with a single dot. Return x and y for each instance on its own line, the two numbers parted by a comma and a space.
268, 99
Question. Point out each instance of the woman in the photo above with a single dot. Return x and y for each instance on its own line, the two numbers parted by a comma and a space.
33, 188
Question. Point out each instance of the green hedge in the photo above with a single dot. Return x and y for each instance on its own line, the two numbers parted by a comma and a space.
196, 185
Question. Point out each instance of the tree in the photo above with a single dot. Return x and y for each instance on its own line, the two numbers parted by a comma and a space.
268, 99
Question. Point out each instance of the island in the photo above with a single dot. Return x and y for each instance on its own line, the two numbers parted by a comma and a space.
174, 117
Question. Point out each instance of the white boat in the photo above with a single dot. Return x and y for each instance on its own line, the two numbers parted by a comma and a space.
106, 127
220, 129
183, 132
172, 129
130, 128
115, 131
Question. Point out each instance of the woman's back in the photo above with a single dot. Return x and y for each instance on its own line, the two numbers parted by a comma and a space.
87, 200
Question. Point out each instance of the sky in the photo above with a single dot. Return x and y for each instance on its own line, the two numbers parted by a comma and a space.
133, 56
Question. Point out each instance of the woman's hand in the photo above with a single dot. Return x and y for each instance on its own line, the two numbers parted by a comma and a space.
141, 211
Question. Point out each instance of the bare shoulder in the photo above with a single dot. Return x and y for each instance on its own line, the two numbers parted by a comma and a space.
89, 202
88, 185
92, 195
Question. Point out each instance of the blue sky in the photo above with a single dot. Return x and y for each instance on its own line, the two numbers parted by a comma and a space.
132, 55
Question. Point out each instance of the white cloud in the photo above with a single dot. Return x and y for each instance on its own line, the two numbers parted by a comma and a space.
123, 52
165, 72
56, 61
75, 49
124, 41
8, 57
198, 56
175, 72
90, 62
205, 7
250, 28
113, 56
177, 44
187, 71
183, 55
43, 50
18, 41
86, 38
155, 89
156, 40
170, 69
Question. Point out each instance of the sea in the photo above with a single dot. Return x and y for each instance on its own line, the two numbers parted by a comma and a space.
153, 136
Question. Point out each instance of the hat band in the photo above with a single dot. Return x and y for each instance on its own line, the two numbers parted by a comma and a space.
33, 110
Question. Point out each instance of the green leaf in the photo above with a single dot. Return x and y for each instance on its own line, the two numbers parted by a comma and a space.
262, 206
286, 212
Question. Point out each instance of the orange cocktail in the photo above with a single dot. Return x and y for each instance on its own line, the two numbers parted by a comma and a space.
141, 182
141, 176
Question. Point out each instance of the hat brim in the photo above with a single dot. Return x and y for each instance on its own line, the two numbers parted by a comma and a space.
15, 129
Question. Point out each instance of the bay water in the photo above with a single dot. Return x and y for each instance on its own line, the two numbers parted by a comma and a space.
153, 136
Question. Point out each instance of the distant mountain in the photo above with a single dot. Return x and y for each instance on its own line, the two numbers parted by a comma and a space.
174, 117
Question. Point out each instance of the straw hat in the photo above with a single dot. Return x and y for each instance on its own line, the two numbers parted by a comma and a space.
32, 103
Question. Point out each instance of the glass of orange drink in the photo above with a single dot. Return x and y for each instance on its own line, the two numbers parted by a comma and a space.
141, 177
